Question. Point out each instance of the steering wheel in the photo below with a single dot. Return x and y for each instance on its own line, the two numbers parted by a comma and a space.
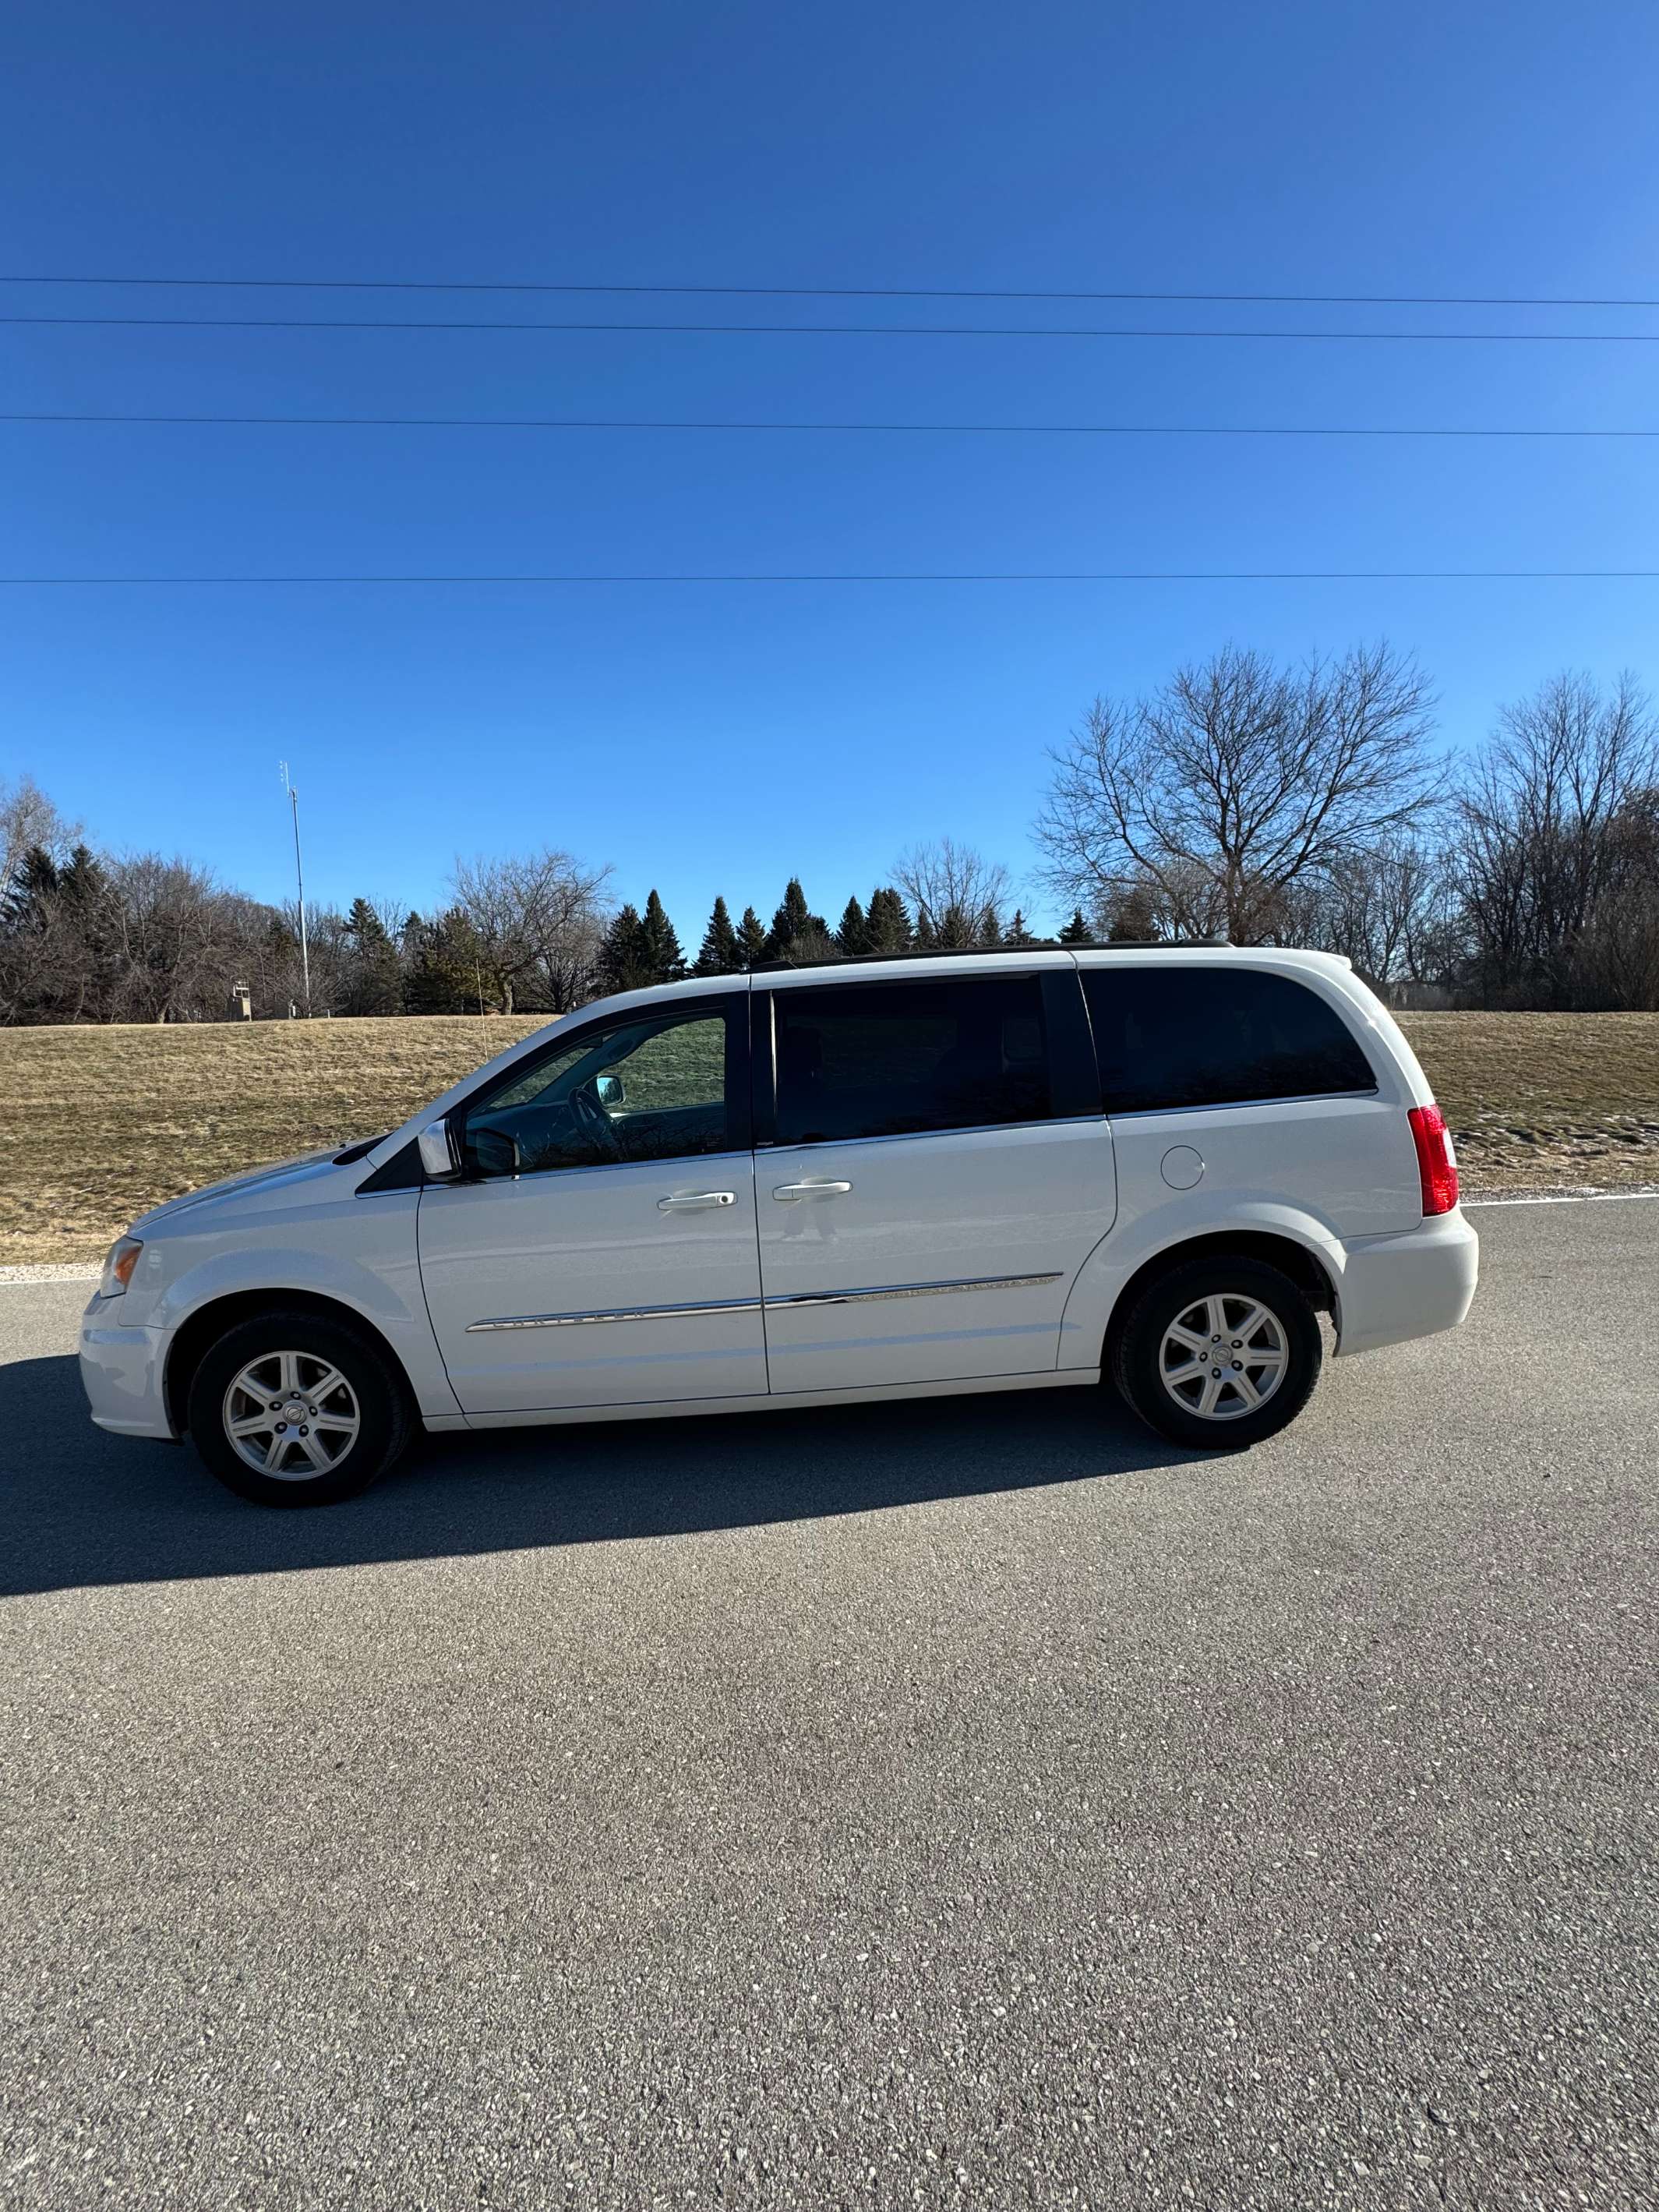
593, 1121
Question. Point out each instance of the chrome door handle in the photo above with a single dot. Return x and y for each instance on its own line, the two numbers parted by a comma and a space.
697, 1201
788, 1192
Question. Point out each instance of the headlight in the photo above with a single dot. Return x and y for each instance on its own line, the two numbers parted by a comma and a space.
122, 1259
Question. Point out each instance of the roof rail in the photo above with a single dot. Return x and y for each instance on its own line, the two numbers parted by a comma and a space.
993, 951
1147, 945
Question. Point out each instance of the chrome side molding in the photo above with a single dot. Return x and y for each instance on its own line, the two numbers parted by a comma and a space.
617, 1313
862, 1297
911, 1291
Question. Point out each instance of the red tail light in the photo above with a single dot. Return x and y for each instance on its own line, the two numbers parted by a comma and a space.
1436, 1163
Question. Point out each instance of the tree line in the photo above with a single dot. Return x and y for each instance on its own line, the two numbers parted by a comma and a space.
1242, 799
91, 937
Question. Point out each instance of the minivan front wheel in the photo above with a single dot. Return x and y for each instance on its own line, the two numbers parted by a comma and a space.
291, 1408
1219, 1352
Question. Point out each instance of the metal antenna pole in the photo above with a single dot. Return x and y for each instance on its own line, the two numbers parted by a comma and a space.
299, 880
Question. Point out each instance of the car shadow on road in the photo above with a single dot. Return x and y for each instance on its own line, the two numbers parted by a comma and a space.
81, 1507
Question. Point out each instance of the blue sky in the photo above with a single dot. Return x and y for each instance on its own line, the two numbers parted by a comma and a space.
719, 738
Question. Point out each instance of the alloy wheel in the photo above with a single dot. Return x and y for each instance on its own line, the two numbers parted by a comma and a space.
1223, 1356
291, 1416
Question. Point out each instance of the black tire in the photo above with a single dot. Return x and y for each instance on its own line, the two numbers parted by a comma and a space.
371, 1393
1140, 1359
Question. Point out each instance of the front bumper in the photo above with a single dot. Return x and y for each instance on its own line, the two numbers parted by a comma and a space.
1394, 1288
121, 1372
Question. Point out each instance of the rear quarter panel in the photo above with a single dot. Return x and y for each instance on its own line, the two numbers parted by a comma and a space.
1317, 1172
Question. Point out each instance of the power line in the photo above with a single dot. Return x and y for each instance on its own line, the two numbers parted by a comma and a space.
909, 576
833, 292
964, 429
826, 330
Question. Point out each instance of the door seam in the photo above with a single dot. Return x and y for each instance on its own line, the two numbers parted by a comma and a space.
426, 1306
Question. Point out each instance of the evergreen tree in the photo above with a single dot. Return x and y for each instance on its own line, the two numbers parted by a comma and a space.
853, 937
282, 938
751, 938
1077, 931
958, 931
86, 900
660, 945
887, 924
374, 981
926, 935
1017, 932
990, 929
85, 881
70, 910
33, 888
364, 926
624, 956
794, 922
464, 953
442, 976
721, 952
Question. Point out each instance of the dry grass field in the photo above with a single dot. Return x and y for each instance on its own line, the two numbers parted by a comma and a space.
99, 1123
1545, 1102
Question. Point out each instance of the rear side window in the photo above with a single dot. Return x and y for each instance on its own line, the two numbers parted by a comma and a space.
1215, 1037
884, 1060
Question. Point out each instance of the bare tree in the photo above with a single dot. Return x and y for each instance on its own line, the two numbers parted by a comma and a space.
29, 823
1140, 907
1549, 834
174, 935
539, 920
1389, 910
1617, 959
960, 898
1237, 782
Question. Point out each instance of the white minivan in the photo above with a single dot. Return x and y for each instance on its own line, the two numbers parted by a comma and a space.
808, 1186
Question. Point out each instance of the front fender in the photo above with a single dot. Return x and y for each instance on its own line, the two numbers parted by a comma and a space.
1127, 1247
387, 1294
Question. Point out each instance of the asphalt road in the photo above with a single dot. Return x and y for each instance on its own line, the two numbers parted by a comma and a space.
968, 1803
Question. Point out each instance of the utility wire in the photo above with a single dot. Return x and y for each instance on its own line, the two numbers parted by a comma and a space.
915, 576
833, 292
965, 430
828, 330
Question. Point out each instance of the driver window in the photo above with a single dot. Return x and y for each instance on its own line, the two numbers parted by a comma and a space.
650, 1088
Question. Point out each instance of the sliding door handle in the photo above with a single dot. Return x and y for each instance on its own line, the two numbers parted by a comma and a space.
697, 1201
787, 1192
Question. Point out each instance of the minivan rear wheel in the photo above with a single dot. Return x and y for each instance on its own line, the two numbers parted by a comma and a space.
1219, 1352
291, 1408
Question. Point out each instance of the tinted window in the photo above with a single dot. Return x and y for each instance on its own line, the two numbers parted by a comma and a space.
1214, 1037
877, 1059
650, 1088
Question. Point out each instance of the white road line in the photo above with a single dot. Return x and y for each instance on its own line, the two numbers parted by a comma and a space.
19, 1277
1571, 1198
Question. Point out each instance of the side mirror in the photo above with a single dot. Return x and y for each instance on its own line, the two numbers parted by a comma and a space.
437, 1147
494, 1152
610, 1092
